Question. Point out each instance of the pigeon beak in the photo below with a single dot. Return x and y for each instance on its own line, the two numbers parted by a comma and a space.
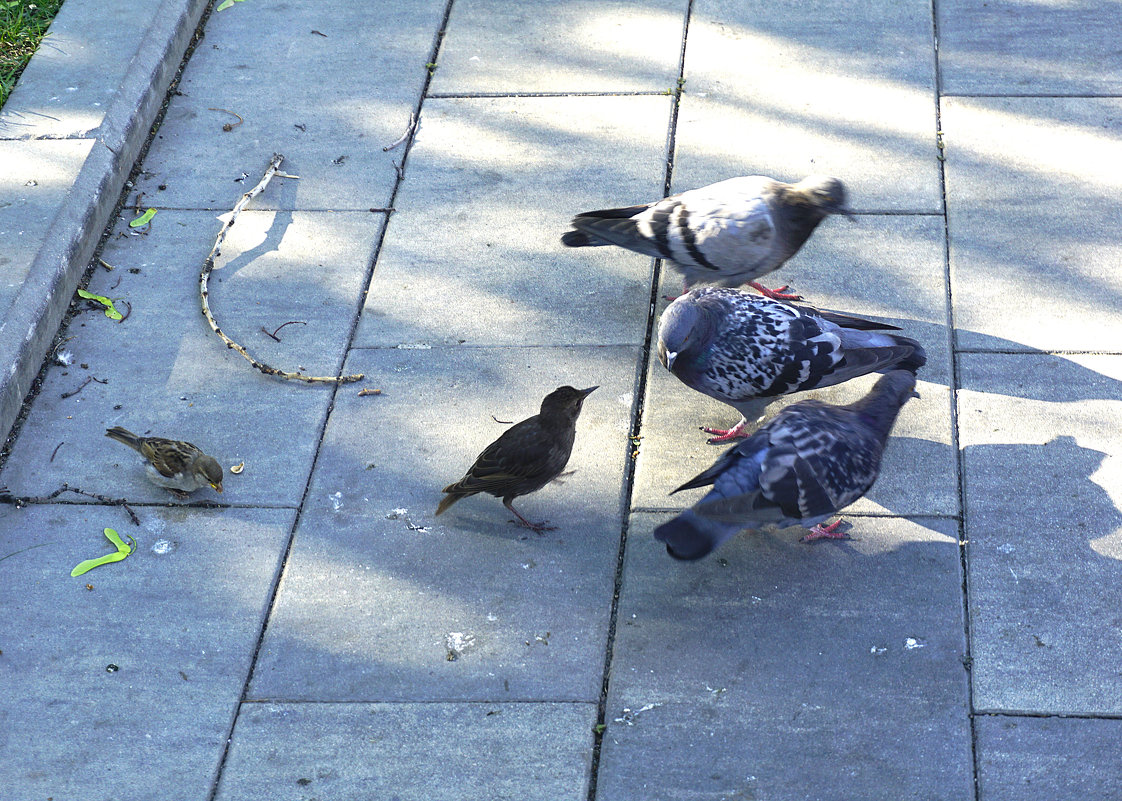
671, 355
589, 391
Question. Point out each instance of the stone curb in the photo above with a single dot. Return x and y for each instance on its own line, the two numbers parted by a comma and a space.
31, 322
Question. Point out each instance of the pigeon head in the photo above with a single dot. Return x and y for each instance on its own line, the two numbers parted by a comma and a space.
897, 386
208, 468
684, 330
883, 403
827, 193
689, 537
565, 402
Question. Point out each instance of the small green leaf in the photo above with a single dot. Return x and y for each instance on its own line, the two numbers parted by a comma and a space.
143, 219
225, 4
115, 538
123, 550
110, 310
90, 564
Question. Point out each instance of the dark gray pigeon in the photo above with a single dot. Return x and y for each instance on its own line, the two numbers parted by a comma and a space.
744, 350
802, 467
727, 233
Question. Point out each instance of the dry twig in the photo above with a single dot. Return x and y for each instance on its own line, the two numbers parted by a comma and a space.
408, 130
227, 127
204, 292
273, 333
19, 502
82, 386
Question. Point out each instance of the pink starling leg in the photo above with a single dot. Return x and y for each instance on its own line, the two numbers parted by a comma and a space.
830, 532
538, 527
775, 294
726, 435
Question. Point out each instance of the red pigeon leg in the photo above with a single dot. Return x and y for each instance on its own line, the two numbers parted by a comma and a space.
829, 532
775, 294
727, 434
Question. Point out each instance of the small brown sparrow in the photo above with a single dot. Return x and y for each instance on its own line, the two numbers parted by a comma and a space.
172, 464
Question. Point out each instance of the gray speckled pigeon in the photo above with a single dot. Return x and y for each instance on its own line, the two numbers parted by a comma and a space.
727, 233
810, 461
743, 349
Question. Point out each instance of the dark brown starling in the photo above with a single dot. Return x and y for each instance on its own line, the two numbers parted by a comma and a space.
527, 456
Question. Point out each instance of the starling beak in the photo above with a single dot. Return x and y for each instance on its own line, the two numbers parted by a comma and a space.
526, 457
805, 465
728, 233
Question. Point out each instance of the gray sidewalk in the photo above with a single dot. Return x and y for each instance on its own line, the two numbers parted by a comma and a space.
315, 633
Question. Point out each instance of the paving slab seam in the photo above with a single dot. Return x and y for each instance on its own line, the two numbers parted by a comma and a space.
634, 433
420, 701
491, 95
991, 713
274, 588
1040, 352
1038, 95
445, 346
956, 449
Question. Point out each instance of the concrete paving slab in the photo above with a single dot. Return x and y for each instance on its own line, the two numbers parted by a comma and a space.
1064, 759
884, 267
68, 86
34, 182
1010, 48
492, 185
410, 752
570, 46
1034, 218
331, 123
840, 88
169, 375
775, 669
467, 606
179, 618
1040, 439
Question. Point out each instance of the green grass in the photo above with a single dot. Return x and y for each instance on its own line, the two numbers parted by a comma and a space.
22, 26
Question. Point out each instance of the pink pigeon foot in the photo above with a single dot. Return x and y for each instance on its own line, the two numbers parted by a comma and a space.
727, 434
775, 294
829, 532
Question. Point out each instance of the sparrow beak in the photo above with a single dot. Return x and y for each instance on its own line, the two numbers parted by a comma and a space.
915, 394
217, 487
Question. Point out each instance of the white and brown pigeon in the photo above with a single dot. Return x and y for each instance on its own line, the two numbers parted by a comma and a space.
728, 233
805, 465
746, 350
